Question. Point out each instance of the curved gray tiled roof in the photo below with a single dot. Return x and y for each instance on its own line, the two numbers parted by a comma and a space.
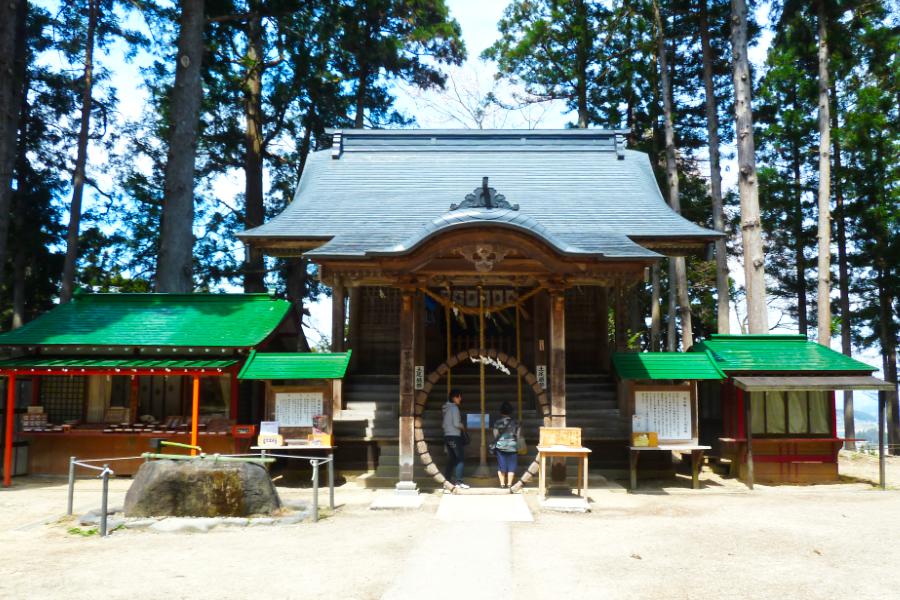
382, 192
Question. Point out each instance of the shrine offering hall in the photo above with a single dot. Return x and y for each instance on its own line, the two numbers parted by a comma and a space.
501, 261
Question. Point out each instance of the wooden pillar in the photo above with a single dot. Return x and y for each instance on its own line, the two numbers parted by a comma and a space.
407, 373
337, 399
603, 333
195, 410
748, 433
134, 398
234, 396
355, 295
558, 358
882, 403
540, 312
621, 319
10, 429
338, 317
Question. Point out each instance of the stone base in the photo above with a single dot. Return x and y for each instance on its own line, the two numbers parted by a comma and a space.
396, 500
572, 504
406, 488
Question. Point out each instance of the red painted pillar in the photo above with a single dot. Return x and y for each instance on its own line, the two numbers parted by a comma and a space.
195, 411
234, 396
10, 424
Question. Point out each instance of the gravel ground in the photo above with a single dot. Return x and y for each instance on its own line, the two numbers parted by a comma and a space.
666, 541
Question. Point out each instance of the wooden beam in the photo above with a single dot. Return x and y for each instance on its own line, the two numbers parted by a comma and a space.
407, 393
195, 410
338, 317
10, 429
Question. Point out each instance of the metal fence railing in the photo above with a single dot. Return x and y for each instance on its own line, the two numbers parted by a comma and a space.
106, 472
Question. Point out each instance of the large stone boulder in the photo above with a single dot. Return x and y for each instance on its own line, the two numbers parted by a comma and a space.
200, 488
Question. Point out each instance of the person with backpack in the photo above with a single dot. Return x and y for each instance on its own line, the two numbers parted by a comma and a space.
506, 448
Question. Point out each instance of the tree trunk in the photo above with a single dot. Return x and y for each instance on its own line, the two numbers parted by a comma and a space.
175, 261
13, 15
824, 237
715, 175
582, 53
655, 315
361, 90
684, 305
843, 272
889, 356
671, 332
18, 295
748, 185
254, 209
71, 259
800, 246
296, 283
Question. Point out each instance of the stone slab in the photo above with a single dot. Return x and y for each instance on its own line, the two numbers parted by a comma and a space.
389, 500
508, 508
572, 504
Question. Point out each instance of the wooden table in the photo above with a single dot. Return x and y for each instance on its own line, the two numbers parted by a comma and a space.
329, 450
545, 452
696, 459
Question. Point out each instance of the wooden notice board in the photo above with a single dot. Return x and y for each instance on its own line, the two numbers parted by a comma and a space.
668, 410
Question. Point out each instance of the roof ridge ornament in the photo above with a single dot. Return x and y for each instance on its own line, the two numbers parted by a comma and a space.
485, 197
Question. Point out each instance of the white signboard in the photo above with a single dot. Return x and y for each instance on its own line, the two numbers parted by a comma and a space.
540, 372
420, 377
668, 413
297, 409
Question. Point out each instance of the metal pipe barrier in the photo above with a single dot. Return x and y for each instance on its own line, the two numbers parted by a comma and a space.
315, 462
105, 472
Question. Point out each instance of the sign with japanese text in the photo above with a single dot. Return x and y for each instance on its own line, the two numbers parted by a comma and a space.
667, 413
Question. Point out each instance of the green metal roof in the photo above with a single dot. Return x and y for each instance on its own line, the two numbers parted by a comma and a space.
666, 365
125, 364
195, 320
776, 353
295, 365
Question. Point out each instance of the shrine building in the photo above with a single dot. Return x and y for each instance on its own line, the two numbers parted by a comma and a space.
502, 263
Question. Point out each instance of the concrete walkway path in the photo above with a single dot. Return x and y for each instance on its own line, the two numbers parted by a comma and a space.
446, 560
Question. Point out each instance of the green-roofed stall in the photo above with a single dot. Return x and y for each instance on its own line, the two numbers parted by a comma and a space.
783, 385
105, 373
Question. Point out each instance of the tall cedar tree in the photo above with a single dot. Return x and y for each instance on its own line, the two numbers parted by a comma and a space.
176, 244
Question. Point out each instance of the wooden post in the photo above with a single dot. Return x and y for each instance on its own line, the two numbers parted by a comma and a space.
620, 319
234, 394
882, 401
407, 393
355, 295
337, 399
195, 410
338, 317
748, 433
558, 358
539, 318
603, 311
10, 429
134, 399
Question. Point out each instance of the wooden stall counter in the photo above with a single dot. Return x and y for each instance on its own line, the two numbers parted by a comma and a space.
49, 452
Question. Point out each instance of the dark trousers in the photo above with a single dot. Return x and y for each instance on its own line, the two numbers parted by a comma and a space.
455, 458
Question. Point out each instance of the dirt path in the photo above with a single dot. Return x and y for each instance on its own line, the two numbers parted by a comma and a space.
667, 542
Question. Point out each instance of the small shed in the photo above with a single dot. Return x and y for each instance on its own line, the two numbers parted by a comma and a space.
299, 387
783, 387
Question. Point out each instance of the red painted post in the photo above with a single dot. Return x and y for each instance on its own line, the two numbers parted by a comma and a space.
10, 424
234, 396
195, 411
